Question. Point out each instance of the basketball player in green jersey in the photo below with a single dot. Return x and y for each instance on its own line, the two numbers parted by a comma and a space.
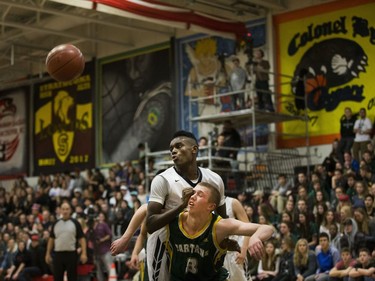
194, 237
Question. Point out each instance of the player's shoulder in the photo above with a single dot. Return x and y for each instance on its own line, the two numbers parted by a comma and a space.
209, 173
167, 172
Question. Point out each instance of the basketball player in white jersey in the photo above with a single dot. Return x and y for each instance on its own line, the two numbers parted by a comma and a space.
236, 263
166, 193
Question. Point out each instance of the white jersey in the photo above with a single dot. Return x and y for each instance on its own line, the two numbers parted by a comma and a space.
236, 272
166, 189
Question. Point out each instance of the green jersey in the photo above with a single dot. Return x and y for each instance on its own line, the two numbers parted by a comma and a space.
197, 257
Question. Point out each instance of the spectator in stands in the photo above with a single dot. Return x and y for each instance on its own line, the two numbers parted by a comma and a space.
231, 138
339, 198
286, 270
307, 229
327, 256
21, 260
304, 261
350, 184
361, 189
268, 266
320, 208
37, 266
330, 161
79, 180
203, 147
345, 213
312, 197
369, 206
364, 269
220, 150
10, 254
337, 179
142, 194
362, 130
328, 220
340, 272
335, 236
303, 195
350, 165
366, 228
369, 160
302, 179
347, 122
348, 237
302, 207
279, 193
102, 253
285, 230
366, 176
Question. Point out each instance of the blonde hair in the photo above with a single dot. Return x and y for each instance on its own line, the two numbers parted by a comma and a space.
301, 259
206, 46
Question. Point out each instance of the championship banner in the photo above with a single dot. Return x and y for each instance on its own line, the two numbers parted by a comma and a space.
13, 133
64, 131
137, 103
332, 48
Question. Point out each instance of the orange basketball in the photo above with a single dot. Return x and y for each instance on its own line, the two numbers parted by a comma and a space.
65, 62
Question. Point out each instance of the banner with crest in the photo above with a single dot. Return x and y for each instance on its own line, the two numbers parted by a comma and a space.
13, 132
330, 47
64, 130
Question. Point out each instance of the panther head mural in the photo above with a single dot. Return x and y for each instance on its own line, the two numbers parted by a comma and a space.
332, 63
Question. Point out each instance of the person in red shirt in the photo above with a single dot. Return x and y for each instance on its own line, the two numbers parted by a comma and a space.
341, 270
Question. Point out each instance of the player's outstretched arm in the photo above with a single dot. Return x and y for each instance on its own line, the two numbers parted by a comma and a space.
118, 246
258, 232
139, 244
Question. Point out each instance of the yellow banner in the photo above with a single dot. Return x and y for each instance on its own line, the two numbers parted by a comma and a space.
332, 48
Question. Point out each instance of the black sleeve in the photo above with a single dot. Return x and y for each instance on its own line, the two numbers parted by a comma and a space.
52, 232
79, 232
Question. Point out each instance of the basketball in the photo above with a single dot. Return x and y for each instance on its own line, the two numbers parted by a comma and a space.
65, 62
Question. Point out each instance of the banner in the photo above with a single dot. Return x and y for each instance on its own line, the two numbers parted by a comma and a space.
332, 48
13, 133
137, 103
64, 131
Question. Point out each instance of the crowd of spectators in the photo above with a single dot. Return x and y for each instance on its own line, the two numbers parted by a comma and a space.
330, 209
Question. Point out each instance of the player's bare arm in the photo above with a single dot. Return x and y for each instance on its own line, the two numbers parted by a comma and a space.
259, 234
157, 219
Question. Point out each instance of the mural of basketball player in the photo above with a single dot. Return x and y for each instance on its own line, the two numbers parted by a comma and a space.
207, 71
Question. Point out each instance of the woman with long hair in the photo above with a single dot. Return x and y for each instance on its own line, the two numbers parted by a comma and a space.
307, 229
268, 266
286, 261
366, 229
304, 260
321, 209
329, 218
